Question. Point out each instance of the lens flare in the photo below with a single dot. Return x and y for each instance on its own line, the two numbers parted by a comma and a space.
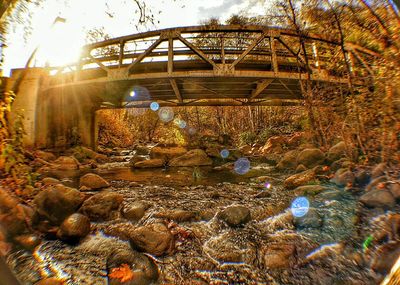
300, 207
182, 124
192, 131
132, 93
267, 185
224, 153
154, 106
166, 114
242, 165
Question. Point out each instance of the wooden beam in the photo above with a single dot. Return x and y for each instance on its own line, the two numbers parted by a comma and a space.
260, 88
176, 90
170, 55
249, 49
287, 88
99, 63
121, 53
362, 61
197, 51
147, 51
273, 55
299, 57
222, 50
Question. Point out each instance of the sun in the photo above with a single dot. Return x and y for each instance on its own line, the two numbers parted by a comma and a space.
60, 44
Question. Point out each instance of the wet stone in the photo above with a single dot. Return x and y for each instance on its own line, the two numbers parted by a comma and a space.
93, 181
134, 212
74, 228
235, 215
144, 271
155, 239
311, 220
102, 206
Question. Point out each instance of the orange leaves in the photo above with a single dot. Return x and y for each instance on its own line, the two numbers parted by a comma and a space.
124, 273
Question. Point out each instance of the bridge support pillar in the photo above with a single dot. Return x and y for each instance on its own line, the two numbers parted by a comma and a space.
56, 118
26, 101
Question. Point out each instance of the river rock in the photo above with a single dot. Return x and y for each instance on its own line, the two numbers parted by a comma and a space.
362, 177
150, 163
134, 212
102, 206
74, 228
144, 270
93, 181
274, 145
235, 215
82, 153
177, 215
299, 179
344, 177
28, 241
47, 156
385, 256
142, 150
136, 158
57, 202
288, 161
378, 198
379, 170
167, 153
310, 220
66, 163
309, 190
311, 157
336, 152
50, 181
374, 183
155, 239
195, 157
277, 255
395, 189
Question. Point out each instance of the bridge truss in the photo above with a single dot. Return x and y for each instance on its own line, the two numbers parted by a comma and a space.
210, 65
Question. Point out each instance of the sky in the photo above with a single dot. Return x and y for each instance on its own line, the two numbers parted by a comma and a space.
60, 43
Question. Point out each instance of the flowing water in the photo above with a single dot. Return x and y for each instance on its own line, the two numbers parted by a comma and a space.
214, 253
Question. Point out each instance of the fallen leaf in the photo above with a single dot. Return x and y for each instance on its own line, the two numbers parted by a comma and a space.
124, 273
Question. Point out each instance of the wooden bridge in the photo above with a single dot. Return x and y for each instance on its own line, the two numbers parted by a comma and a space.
209, 65
189, 66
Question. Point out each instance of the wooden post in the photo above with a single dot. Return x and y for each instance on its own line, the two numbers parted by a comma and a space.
170, 55
273, 55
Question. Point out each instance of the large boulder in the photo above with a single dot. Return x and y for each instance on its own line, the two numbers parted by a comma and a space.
155, 239
336, 152
82, 153
142, 268
235, 215
167, 153
74, 228
102, 206
47, 156
134, 212
13, 214
378, 170
288, 161
93, 181
343, 177
195, 157
136, 158
66, 163
300, 179
150, 163
311, 157
57, 202
381, 198
274, 144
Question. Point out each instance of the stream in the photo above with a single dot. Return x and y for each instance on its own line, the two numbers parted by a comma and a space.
214, 252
